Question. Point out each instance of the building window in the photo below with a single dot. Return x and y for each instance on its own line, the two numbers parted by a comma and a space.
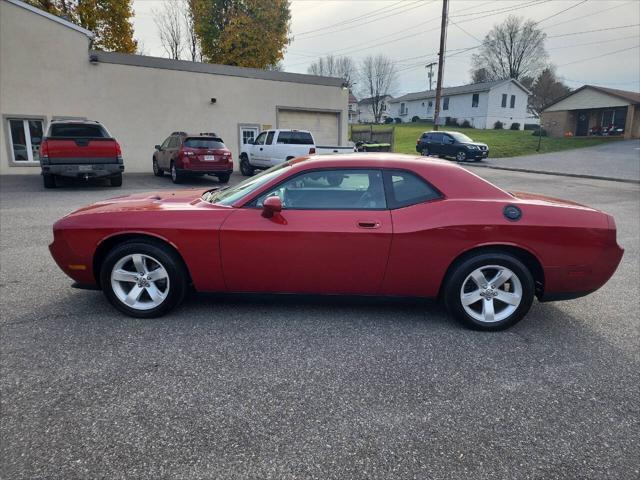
403, 109
474, 100
445, 103
25, 137
513, 101
504, 100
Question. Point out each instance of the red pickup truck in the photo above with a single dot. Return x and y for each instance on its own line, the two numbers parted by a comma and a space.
80, 149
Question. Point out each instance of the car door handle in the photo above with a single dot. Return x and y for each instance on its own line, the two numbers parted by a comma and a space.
260, 148
369, 224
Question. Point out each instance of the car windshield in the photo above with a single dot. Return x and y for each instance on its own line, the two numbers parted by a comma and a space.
229, 195
460, 137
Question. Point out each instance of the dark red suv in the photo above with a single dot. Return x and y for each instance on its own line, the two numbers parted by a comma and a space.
182, 154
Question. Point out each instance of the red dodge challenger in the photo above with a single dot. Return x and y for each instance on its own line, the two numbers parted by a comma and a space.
367, 224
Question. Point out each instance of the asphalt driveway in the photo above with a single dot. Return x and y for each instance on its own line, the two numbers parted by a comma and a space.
616, 160
288, 387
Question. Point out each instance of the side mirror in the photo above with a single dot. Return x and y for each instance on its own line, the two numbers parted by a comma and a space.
157, 147
271, 206
251, 141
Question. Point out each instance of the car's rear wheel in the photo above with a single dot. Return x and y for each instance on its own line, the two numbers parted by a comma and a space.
425, 151
116, 180
49, 180
143, 279
176, 176
489, 291
223, 177
245, 167
461, 156
157, 171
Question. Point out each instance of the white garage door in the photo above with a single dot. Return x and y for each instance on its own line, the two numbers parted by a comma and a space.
323, 125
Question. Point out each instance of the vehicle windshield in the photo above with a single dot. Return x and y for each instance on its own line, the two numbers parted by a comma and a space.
229, 195
460, 137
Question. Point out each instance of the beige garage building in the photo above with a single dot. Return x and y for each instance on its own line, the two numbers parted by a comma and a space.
48, 72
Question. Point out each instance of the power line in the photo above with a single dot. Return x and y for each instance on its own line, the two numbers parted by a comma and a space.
560, 12
589, 14
600, 56
597, 30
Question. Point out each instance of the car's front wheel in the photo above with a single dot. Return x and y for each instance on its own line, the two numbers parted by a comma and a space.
489, 291
245, 167
143, 279
461, 156
157, 171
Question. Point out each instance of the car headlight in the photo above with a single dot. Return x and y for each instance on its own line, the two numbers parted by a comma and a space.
472, 147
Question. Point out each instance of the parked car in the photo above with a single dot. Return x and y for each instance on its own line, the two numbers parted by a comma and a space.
451, 144
390, 225
80, 149
273, 147
183, 155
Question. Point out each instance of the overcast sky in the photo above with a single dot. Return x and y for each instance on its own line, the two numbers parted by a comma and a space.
408, 32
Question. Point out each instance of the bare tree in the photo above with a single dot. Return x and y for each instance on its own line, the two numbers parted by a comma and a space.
330, 66
378, 75
513, 49
169, 20
193, 47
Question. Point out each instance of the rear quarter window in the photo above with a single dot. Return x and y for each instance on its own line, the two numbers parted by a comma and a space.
406, 188
77, 130
202, 142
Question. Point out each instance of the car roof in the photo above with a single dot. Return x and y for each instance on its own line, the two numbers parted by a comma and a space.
451, 179
68, 120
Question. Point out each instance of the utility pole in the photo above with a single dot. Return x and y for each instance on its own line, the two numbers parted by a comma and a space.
443, 42
430, 73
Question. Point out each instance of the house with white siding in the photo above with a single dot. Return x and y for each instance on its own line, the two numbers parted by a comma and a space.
365, 109
480, 104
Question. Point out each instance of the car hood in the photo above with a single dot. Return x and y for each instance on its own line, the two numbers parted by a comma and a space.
477, 144
149, 201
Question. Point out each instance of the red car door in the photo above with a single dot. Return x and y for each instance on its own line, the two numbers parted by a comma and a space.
332, 236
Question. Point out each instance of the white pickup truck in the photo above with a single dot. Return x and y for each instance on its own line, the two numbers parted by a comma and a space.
273, 147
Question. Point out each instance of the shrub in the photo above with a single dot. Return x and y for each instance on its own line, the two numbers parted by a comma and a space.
388, 120
397, 120
415, 119
451, 121
498, 125
531, 126
514, 126
466, 124
542, 132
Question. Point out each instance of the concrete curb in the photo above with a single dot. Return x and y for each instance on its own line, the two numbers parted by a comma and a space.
559, 174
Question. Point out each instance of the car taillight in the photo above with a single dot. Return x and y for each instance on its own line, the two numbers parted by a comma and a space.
119, 153
187, 153
44, 153
312, 151
418, 141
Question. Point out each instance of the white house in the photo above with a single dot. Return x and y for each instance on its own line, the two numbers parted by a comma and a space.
353, 108
481, 104
48, 72
365, 109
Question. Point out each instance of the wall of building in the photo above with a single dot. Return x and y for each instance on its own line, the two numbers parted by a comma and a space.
507, 115
46, 73
365, 112
557, 123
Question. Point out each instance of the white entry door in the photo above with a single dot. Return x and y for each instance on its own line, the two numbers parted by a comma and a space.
247, 134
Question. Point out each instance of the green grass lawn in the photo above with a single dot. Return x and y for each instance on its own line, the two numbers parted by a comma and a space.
502, 143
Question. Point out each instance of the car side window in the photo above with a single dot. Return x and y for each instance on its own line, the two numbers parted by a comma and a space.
436, 137
337, 189
165, 144
260, 139
269, 138
173, 143
447, 139
406, 188
284, 138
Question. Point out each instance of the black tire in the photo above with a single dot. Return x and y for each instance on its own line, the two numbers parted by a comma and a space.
425, 151
461, 156
223, 177
458, 277
171, 262
49, 180
176, 176
116, 181
245, 167
157, 171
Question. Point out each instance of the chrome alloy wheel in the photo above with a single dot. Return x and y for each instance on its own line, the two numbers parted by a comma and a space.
461, 156
140, 281
491, 293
